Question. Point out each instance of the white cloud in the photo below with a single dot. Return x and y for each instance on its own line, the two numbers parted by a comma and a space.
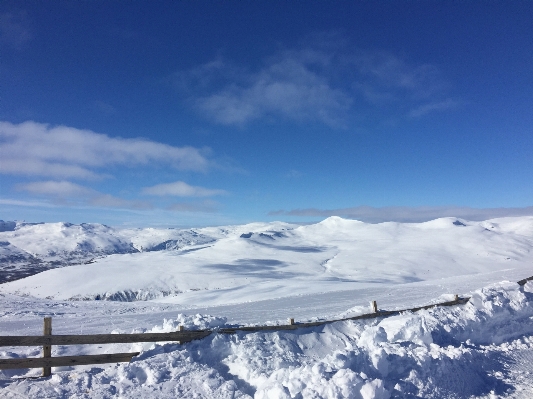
324, 82
37, 204
382, 72
408, 214
36, 167
206, 206
434, 106
56, 188
71, 194
289, 86
109, 201
384, 79
181, 189
37, 149
293, 174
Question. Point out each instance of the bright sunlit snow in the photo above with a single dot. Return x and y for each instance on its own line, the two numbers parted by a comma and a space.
262, 273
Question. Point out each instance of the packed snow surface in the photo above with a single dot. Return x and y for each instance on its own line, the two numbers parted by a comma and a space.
264, 273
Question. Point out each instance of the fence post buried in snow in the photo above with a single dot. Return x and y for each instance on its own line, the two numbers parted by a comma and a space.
374, 306
47, 349
180, 328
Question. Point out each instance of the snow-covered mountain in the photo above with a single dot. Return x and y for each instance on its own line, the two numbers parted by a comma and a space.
30, 248
268, 260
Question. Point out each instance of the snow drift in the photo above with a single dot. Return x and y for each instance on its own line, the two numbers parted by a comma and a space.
479, 350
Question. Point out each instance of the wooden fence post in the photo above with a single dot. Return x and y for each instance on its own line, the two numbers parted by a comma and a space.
47, 349
374, 306
180, 328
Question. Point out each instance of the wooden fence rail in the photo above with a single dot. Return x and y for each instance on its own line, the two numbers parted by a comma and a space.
48, 340
180, 336
49, 362
22, 340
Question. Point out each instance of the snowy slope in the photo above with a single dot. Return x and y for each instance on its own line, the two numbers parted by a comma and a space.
252, 262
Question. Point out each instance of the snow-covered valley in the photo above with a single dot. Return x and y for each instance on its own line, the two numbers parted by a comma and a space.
125, 280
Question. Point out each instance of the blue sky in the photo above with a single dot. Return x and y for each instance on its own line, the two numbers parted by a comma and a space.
215, 112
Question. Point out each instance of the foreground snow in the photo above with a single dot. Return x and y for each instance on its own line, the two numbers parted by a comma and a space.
482, 349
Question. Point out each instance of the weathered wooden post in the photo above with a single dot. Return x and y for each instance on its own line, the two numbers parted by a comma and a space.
47, 349
291, 322
374, 306
180, 328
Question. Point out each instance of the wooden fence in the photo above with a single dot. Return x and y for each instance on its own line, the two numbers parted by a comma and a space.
180, 336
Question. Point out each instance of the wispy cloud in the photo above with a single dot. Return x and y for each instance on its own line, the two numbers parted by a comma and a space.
293, 174
407, 214
325, 81
38, 149
110, 201
72, 194
434, 106
182, 189
206, 206
26, 203
388, 81
68, 194
289, 86
55, 188
104, 108
384, 71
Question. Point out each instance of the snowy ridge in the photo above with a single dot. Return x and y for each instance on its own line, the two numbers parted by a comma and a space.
150, 239
30, 248
235, 264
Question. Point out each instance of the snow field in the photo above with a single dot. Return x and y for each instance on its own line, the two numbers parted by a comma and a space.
459, 352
